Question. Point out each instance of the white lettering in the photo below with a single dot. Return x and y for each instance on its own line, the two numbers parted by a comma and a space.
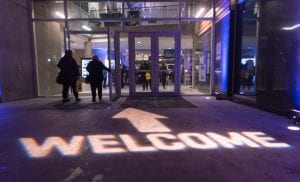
102, 144
109, 144
157, 141
34, 150
234, 139
265, 140
197, 141
133, 146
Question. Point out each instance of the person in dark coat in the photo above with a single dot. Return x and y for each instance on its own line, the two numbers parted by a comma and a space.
95, 69
163, 70
69, 72
144, 69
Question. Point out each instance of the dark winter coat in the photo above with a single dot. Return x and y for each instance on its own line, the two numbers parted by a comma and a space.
95, 69
69, 69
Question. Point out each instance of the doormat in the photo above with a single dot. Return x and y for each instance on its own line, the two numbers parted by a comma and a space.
157, 102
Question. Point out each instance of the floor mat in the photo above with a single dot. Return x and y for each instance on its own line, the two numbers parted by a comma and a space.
157, 102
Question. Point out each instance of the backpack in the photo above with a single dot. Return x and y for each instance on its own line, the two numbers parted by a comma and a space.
148, 76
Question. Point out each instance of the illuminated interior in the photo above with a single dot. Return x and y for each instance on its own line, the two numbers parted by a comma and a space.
87, 31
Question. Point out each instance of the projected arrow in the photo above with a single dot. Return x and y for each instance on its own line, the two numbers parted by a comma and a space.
145, 122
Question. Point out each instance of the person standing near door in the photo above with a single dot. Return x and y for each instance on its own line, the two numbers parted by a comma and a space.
95, 69
144, 70
69, 71
104, 78
163, 71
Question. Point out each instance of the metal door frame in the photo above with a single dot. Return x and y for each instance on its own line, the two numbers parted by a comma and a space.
154, 37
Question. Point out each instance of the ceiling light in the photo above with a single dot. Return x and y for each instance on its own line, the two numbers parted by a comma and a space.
138, 42
59, 14
86, 27
199, 13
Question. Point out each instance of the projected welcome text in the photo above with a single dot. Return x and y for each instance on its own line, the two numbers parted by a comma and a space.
123, 143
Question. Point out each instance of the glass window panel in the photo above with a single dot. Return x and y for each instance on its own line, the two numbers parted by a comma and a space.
142, 54
49, 49
166, 68
95, 9
248, 48
163, 9
197, 9
48, 9
124, 62
195, 57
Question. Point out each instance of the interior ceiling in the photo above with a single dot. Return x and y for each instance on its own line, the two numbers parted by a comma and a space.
100, 41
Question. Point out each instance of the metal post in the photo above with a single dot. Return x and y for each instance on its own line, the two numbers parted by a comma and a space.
33, 53
213, 50
66, 29
178, 50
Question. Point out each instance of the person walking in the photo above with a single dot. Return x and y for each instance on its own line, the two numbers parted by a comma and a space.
95, 69
69, 72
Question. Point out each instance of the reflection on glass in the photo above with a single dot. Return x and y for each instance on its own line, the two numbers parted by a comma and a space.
152, 9
124, 64
94, 9
49, 49
197, 9
143, 64
166, 64
195, 58
48, 9
248, 48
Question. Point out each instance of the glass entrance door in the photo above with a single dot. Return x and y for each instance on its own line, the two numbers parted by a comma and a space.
152, 69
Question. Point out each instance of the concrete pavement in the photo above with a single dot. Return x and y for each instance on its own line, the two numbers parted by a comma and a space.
196, 138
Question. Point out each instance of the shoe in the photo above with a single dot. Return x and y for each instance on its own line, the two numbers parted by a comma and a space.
77, 99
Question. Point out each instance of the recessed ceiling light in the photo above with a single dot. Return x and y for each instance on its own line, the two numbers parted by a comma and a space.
59, 14
86, 27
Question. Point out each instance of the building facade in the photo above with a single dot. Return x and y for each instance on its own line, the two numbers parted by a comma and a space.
246, 50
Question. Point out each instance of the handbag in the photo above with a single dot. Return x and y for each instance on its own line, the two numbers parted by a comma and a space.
59, 78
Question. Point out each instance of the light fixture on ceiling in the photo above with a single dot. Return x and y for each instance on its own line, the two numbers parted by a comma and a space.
138, 42
200, 12
86, 28
59, 14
